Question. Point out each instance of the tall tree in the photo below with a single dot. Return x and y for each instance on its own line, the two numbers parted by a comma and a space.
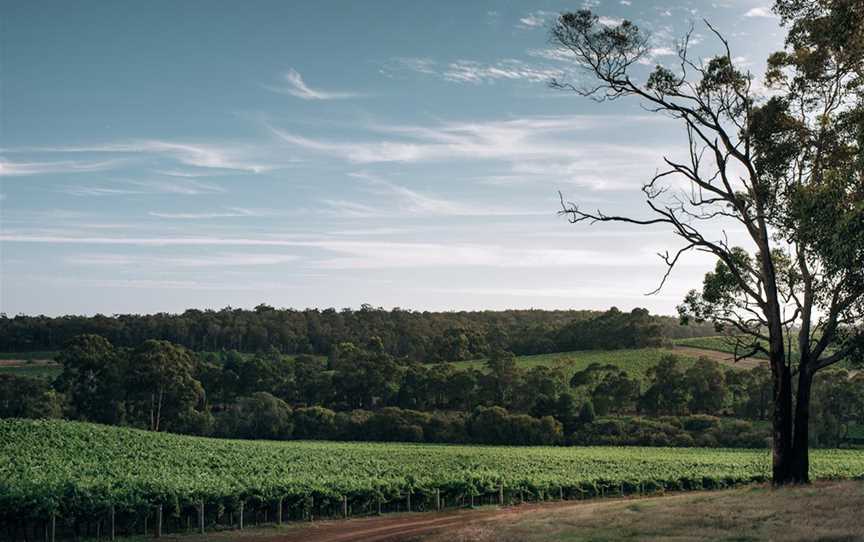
161, 383
92, 379
788, 169
503, 377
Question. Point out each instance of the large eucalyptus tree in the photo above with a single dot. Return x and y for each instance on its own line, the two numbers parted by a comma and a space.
786, 164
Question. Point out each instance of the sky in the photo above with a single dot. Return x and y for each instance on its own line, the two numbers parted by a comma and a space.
157, 156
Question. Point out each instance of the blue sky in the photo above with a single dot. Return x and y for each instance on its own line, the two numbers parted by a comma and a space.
156, 156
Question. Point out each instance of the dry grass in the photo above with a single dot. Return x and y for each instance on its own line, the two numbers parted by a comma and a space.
825, 511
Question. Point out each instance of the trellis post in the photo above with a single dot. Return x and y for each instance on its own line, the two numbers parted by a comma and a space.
279, 512
53, 526
409, 500
344, 506
112, 523
241, 515
437, 499
501, 495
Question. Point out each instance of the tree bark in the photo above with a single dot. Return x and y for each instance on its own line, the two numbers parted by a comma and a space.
158, 410
800, 462
783, 426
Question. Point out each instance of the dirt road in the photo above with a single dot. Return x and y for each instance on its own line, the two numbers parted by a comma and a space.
828, 508
389, 528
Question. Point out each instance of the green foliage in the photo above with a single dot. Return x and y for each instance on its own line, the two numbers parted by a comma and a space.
22, 397
45, 371
258, 416
405, 335
165, 386
93, 378
586, 413
838, 405
364, 375
668, 393
78, 468
707, 384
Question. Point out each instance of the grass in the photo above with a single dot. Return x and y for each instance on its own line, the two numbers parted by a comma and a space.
824, 511
43, 355
718, 344
31, 364
49, 372
722, 344
636, 361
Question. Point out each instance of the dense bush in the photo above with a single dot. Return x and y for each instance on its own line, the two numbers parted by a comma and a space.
362, 393
704, 431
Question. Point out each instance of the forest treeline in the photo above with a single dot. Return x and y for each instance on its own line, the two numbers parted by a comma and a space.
364, 393
405, 334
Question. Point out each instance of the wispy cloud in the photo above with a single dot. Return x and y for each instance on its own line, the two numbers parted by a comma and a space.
382, 255
405, 201
535, 19
602, 292
760, 11
294, 85
229, 212
184, 174
379, 254
609, 21
238, 157
350, 209
187, 187
8, 168
549, 148
167, 284
397, 65
147, 241
514, 139
567, 57
161, 261
470, 71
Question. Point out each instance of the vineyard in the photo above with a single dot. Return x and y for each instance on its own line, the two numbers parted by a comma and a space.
79, 479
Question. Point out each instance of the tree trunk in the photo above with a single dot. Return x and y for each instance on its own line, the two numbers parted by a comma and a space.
152, 413
799, 472
158, 410
782, 442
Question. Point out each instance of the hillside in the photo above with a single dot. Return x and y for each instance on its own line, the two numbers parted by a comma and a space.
637, 361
